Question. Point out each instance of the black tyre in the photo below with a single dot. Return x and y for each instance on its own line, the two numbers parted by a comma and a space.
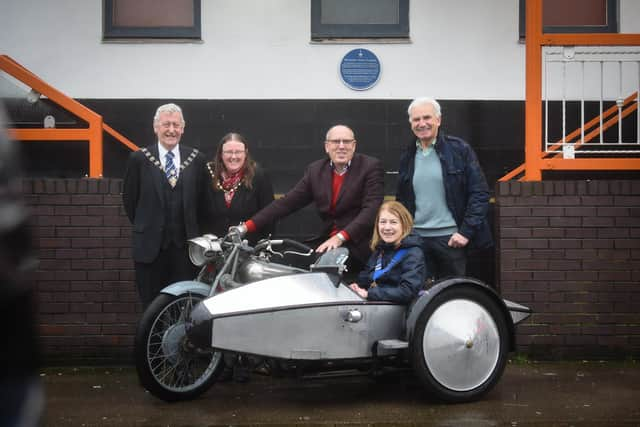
168, 365
460, 345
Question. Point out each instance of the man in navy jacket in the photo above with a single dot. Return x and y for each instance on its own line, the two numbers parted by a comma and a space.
441, 183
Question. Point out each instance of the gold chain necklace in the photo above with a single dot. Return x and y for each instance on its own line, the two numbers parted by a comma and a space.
232, 189
218, 184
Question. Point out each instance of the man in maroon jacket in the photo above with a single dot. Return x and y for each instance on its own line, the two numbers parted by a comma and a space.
347, 189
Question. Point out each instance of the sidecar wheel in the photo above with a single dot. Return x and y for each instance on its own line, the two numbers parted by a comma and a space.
168, 366
459, 349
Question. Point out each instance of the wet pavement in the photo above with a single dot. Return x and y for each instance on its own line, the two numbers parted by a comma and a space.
541, 394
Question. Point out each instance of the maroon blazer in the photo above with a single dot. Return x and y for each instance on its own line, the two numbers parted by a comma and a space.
356, 208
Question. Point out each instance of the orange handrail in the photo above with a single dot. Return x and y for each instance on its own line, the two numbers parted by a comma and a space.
93, 133
535, 40
587, 137
596, 120
117, 135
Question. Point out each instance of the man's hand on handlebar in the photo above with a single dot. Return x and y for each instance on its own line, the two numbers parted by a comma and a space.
240, 230
331, 243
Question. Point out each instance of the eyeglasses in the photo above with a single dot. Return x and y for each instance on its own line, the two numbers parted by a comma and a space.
345, 142
233, 152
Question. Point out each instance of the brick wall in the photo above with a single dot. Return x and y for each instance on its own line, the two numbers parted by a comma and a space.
568, 249
86, 297
571, 251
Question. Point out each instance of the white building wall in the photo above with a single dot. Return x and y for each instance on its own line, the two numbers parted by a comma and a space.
261, 49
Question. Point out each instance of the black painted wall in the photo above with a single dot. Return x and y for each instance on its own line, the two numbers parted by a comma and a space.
285, 135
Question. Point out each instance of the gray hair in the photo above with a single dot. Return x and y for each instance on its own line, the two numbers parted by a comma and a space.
424, 100
168, 108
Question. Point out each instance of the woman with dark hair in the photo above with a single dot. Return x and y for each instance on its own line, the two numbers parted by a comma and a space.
239, 187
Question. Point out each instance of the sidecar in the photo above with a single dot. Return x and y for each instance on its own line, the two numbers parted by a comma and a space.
455, 336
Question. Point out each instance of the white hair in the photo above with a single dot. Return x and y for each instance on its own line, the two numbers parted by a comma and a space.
168, 108
424, 100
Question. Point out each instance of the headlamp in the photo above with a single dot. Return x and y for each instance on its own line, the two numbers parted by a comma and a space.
202, 249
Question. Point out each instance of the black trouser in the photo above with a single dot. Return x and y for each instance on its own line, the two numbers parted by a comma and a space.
171, 265
443, 260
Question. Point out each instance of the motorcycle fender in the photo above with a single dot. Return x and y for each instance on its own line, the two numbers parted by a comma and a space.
187, 286
423, 300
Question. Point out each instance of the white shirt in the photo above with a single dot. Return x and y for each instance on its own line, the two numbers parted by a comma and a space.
162, 152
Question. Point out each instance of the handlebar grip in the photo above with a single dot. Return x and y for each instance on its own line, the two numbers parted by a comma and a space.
239, 230
297, 245
294, 244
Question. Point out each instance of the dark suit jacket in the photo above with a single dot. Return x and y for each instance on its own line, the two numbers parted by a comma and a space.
245, 203
357, 205
144, 201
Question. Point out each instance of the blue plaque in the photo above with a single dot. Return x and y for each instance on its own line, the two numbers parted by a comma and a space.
360, 69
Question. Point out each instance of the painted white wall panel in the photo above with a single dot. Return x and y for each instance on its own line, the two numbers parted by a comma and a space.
257, 49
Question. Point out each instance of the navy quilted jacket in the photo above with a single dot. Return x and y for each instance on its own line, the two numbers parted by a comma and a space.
404, 280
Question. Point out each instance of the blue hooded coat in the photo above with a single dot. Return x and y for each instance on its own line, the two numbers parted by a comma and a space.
402, 282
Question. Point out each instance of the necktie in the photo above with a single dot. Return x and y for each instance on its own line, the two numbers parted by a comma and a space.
170, 169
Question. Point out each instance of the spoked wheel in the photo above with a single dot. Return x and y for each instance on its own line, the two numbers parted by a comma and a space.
168, 365
460, 345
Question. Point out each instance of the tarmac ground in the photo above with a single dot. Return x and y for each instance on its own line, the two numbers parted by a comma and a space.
529, 393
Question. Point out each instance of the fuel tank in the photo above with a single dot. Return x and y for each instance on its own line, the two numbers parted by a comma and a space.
255, 269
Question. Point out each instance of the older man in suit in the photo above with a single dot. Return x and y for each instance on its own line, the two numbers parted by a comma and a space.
164, 195
347, 189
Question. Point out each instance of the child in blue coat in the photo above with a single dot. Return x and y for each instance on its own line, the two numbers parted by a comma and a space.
396, 271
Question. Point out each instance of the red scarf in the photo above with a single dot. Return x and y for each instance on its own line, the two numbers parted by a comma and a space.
230, 184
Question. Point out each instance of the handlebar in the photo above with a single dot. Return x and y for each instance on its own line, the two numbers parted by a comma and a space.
264, 244
296, 244
237, 232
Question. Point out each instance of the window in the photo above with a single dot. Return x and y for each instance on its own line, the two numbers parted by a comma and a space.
575, 16
359, 19
151, 19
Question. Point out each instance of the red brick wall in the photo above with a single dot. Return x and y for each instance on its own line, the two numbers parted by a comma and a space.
571, 251
86, 297
568, 249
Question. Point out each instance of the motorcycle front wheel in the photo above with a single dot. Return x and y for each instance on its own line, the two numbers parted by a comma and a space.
168, 365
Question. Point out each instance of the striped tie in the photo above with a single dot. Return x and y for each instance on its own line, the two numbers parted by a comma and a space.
170, 169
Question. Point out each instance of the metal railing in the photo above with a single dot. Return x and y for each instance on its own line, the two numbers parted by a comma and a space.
592, 75
92, 134
576, 55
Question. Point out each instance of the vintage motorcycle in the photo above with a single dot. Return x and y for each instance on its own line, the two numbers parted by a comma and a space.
246, 302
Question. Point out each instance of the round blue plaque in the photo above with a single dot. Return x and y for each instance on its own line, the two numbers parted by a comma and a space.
360, 69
